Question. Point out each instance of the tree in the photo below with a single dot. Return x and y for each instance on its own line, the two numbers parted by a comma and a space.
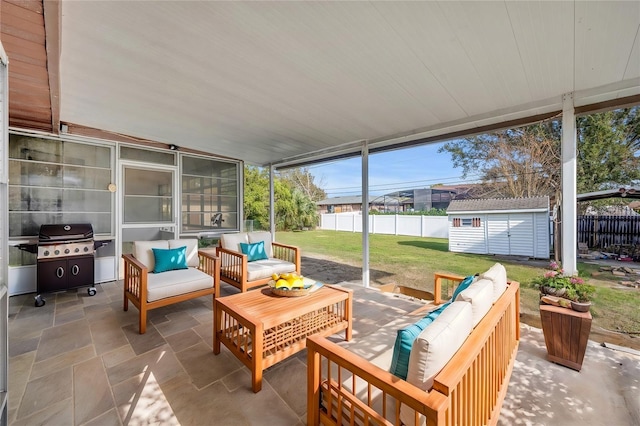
302, 180
608, 149
520, 162
293, 208
526, 162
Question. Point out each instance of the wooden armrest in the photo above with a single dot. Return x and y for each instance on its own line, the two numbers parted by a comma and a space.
129, 259
437, 284
285, 246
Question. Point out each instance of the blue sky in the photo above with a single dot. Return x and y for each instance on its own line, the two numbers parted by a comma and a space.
418, 167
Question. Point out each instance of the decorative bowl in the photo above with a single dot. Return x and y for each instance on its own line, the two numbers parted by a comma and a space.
294, 292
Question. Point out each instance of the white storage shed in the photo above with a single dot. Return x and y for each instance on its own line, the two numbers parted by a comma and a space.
509, 226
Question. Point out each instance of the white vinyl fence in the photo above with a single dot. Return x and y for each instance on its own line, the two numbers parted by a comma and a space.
418, 226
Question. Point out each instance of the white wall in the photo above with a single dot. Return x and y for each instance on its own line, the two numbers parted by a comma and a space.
418, 226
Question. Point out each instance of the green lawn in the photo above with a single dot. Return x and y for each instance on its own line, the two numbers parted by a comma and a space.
411, 261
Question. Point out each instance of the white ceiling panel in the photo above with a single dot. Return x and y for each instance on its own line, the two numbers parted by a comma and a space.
267, 81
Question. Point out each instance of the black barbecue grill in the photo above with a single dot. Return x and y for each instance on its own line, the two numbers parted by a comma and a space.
65, 258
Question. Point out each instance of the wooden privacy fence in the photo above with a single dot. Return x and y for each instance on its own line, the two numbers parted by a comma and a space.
605, 232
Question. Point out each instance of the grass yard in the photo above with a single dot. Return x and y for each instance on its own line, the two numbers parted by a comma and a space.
411, 261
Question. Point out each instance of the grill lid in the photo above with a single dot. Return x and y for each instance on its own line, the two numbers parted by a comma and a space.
65, 232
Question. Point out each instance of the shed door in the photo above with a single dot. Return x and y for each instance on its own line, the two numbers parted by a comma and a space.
521, 235
498, 233
511, 234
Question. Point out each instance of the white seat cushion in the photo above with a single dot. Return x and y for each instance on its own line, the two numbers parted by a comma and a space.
434, 347
480, 295
143, 253
265, 268
498, 275
265, 236
192, 250
174, 283
232, 241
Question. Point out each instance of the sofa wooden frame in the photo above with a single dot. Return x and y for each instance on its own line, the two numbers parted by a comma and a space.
233, 265
469, 390
135, 285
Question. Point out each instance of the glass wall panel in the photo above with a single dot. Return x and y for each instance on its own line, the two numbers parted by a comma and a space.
210, 191
53, 181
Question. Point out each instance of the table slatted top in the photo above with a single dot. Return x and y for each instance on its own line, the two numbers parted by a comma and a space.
272, 310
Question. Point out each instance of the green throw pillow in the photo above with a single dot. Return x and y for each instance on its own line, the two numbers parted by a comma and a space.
170, 259
254, 251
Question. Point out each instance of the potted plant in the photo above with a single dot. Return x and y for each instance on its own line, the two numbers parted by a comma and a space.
570, 291
580, 296
566, 331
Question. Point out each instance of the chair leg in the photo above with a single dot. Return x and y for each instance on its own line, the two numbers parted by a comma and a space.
143, 320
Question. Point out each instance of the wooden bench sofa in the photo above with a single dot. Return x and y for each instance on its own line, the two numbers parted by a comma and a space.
148, 290
237, 269
343, 388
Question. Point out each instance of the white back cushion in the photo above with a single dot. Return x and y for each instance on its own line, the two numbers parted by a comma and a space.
232, 241
498, 275
257, 236
192, 250
434, 347
480, 295
142, 251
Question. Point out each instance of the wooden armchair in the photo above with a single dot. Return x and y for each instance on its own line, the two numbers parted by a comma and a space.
235, 268
148, 290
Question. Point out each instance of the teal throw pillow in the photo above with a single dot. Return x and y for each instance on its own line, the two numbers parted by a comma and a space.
254, 251
404, 343
170, 259
464, 284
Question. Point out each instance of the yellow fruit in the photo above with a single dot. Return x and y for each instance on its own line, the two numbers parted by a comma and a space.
297, 283
282, 284
275, 277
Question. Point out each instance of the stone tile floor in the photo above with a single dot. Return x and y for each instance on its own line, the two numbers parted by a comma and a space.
79, 360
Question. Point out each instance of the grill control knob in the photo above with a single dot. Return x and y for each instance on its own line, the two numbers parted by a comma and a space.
46, 252
86, 249
77, 250
56, 252
66, 251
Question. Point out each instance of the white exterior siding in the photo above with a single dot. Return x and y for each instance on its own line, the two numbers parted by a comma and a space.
467, 239
514, 233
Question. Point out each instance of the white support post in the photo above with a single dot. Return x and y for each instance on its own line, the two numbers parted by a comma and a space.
569, 186
272, 203
365, 214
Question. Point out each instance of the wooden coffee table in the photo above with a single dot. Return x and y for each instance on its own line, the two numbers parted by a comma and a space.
261, 329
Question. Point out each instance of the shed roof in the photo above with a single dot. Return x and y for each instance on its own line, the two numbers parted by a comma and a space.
499, 204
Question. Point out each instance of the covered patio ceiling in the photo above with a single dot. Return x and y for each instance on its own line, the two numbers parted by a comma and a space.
288, 82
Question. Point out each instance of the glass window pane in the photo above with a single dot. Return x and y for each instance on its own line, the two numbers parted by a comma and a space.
85, 177
147, 209
35, 149
86, 155
147, 182
35, 174
147, 156
209, 194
